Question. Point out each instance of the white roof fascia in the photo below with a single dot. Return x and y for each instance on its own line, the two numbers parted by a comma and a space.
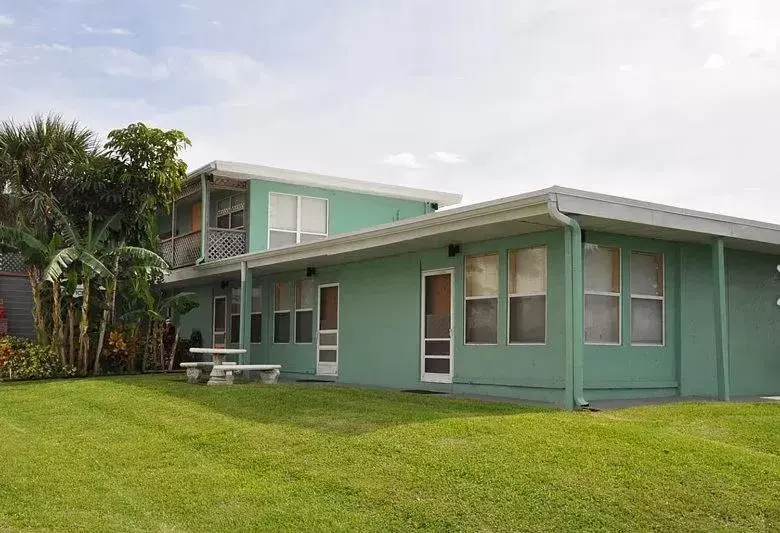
245, 171
577, 202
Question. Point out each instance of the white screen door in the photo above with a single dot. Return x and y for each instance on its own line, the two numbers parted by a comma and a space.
220, 321
328, 331
437, 308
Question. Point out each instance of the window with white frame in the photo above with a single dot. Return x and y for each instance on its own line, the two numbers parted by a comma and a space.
296, 219
481, 299
527, 286
230, 212
602, 294
235, 315
304, 311
647, 298
282, 310
256, 328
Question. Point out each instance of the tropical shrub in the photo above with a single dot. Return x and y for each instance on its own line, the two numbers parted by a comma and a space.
116, 353
22, 359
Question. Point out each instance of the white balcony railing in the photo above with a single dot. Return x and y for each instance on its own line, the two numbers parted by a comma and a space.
184, 250
224, 243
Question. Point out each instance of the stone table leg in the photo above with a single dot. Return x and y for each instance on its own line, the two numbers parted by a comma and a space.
217, 377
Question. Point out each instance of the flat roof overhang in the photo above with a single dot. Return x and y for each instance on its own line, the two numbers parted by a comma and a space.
517, 215
610, 214
437, 230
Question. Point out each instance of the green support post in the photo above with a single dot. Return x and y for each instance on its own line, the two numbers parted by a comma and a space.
245, 323
721, 320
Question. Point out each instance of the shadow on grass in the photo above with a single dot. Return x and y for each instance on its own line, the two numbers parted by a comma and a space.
323, 407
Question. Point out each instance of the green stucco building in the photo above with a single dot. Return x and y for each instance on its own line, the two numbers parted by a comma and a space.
558, 295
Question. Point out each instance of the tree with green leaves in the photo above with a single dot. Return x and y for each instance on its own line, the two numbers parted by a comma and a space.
84, 219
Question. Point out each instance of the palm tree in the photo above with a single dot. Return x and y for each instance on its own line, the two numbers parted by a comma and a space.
43, 154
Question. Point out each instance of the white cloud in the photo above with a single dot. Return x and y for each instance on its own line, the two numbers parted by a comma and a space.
236, 69
189, 6
447, 157
122, 62
626, 68
55, 47
716, 61
404, 160
105, 31
216, 22
7, 20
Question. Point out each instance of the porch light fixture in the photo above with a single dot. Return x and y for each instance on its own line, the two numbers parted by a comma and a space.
311, 272
453, 250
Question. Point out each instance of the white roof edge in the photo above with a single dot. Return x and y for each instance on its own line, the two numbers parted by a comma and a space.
249, 171
571, 201
630, 202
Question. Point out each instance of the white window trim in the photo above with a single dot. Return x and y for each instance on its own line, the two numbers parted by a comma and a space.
484, 297
607, 293
525, 294
214, 331
297, 232
303, 309
279, 311
430, 377
230, 211
653, 297
328, 331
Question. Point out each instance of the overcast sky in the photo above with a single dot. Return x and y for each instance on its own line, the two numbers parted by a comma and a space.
676, 101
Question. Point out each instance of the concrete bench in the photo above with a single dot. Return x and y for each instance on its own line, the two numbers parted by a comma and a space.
197, 371
269, 374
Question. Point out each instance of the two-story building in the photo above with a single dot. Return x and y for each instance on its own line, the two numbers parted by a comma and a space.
557, 295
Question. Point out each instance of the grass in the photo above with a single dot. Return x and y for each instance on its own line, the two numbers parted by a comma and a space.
155, 454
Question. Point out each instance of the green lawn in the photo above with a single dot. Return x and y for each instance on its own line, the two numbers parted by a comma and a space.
153, 453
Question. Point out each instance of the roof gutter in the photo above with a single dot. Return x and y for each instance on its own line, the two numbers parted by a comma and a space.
574, 396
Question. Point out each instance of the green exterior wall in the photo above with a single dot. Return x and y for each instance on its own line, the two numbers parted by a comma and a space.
347, 211
753, 284
632, 371
698, 372
380, 313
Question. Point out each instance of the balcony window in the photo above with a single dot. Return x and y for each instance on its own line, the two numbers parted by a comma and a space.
230, 212
296, 219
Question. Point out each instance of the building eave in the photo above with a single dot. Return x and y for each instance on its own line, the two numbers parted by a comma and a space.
513, 215
245, 171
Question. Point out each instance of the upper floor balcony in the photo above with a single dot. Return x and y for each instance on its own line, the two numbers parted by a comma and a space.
222, 212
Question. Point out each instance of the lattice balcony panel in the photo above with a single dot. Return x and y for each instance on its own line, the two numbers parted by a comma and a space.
11, 263
221, 182
186, 249
226, 243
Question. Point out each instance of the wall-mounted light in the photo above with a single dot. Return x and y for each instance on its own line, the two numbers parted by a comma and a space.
311, 272
453, 250
778, 268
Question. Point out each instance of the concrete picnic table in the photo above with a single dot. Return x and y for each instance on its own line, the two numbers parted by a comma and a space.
217, 376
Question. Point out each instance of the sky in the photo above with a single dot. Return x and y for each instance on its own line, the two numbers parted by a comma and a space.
672, 101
